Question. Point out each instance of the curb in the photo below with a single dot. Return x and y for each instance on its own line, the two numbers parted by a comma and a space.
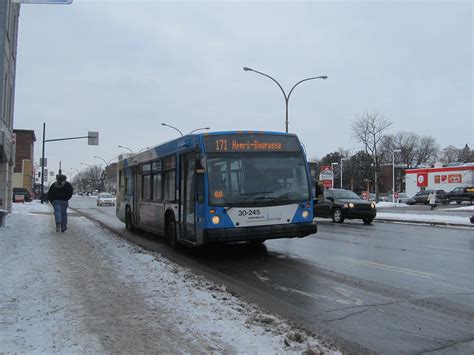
434, 224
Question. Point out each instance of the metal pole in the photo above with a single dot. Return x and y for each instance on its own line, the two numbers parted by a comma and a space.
341, 173
286, 121
332, 171
42, 164
393, 176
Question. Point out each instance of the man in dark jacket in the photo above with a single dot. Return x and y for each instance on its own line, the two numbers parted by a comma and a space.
59, 194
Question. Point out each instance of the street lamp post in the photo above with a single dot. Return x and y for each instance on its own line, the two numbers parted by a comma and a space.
106, 171
287, 97
167, 125
194, 130
131, 151
332, 171
393, 173
198, 129
342, 159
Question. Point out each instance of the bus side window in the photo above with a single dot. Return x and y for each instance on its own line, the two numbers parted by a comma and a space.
128, 185
200, 188
157, 187
169, 178
146, 188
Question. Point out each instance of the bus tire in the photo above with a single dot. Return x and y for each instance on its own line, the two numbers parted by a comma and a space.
171, 231
128, 219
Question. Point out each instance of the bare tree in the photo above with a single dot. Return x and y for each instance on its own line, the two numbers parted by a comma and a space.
414, 150
369, 130
466, 155
427, 150
449, 154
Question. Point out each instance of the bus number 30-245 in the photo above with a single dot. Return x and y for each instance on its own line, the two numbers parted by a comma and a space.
248, 213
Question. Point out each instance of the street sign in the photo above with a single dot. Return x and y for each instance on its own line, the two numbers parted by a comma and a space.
93, 138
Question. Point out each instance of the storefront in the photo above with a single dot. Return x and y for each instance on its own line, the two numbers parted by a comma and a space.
443, 178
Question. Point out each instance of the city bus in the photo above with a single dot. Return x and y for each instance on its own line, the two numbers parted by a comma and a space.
219, 187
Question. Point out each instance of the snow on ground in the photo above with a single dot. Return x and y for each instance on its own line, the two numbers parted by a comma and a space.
424, 218
390, 204
465, 208
88, 290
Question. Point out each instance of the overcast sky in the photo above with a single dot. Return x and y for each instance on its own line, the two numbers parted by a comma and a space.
123, 67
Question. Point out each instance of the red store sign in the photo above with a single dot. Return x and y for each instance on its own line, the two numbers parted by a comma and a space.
422, 180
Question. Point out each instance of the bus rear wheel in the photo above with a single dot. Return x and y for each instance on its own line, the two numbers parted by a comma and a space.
171, 231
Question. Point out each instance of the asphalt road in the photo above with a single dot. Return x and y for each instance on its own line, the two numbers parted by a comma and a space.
384, 288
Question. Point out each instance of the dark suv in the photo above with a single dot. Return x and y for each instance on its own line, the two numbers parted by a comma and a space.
460, 194
422, 197
21, 191
340, 204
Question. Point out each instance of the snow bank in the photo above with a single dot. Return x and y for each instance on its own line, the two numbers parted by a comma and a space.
390, 204
424, 218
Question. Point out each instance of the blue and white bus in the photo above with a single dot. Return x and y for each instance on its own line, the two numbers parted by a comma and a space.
218, 187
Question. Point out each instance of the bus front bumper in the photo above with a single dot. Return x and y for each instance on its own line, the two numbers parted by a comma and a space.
260, 233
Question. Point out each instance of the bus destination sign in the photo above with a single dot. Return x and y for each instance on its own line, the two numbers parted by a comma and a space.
251, 143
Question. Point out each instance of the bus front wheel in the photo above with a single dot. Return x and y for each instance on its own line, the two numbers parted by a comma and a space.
171, 231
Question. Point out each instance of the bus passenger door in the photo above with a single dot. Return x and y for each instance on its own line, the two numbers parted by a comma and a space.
188, 200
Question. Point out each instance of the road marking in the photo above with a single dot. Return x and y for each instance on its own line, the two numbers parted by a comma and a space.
340, 290
449, 249
317, 296
391, 268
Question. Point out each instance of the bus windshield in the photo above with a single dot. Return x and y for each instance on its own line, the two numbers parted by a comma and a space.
251, 179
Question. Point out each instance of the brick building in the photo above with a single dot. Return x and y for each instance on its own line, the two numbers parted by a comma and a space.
23, 172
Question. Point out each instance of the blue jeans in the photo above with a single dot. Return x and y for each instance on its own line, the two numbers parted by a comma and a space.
60, 212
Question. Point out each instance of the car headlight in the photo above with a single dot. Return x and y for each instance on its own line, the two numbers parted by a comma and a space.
305, 214
372, 205
351, 205
215, 220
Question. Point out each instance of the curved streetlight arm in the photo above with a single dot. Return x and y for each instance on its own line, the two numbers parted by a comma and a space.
167, 125
131, 151
95, 156
299, 82
197, 129
268, 76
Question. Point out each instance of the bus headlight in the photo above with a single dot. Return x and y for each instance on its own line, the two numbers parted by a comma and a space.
351, 205
372, 205
305, 214
215, 220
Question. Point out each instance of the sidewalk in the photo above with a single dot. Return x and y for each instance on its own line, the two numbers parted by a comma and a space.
88, 291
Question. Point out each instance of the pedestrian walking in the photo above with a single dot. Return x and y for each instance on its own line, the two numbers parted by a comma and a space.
59, 194
432, 199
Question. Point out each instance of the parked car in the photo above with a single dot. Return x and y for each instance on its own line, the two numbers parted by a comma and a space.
460, 194
105, 199
422, 197
340, 204
21, 191
402, 198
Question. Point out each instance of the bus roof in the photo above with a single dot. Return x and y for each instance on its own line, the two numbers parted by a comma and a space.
180, 143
